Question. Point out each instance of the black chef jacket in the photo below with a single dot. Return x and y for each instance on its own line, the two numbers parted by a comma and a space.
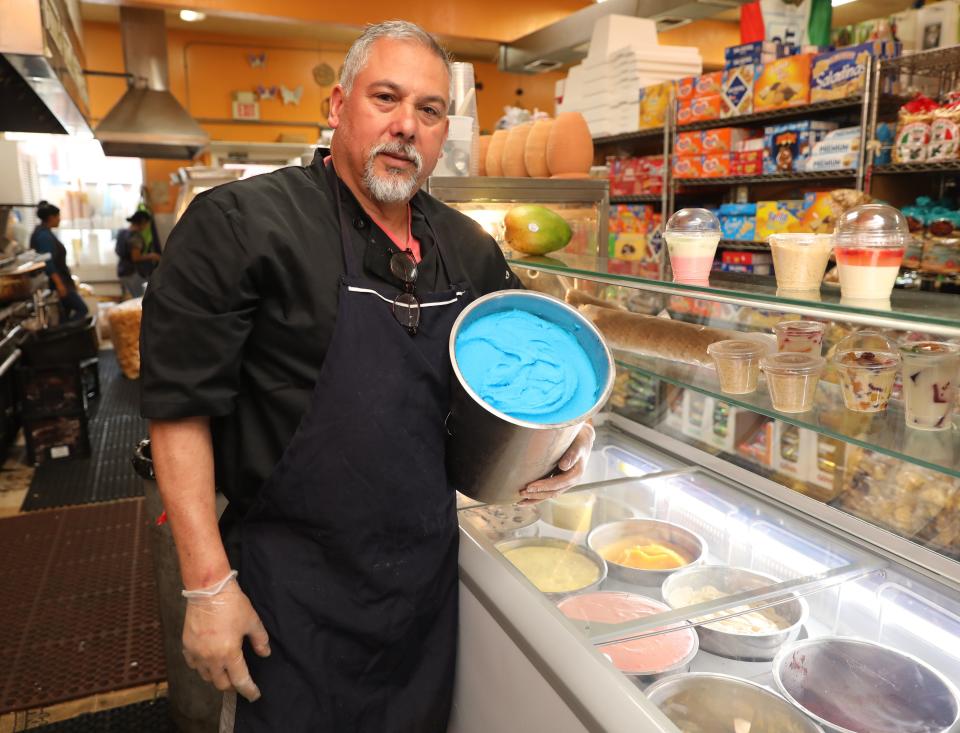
240, 313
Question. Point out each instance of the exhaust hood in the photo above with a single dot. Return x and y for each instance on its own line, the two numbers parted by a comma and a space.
42, 87
148, 122
566, 41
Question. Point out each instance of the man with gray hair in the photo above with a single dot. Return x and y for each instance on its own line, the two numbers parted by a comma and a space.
295, 357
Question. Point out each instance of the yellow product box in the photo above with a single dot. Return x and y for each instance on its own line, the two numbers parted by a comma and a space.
630, 246
783, 83
775, 217
654, 101
819, 213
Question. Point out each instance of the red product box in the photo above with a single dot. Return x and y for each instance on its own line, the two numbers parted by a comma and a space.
748, 164
688, 166
723, 139
685, 88
651, 165
689, 143
731, 257
708, 84
716, 165
705, 108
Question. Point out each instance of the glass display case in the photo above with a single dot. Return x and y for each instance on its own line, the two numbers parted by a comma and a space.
583, 203
728, 564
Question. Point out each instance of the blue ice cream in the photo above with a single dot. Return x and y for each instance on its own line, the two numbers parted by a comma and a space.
527, 367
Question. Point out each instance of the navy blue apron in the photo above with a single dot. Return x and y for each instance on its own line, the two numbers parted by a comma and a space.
349, 553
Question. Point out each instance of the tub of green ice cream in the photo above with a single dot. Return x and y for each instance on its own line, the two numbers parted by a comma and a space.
529, 371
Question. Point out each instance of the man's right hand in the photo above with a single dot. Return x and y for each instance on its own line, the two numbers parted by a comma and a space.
213, 633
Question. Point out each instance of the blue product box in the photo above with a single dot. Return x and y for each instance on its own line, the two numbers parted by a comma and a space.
840, 74
786, 147
739, 227
749, 209
751, 54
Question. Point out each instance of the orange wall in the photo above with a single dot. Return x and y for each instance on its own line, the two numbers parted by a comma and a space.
495, 20
710, 36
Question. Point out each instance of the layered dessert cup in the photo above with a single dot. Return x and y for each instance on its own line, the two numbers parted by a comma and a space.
800, 337
930, 373
792, 379
866, 365
800, 260
692, 236
869, 245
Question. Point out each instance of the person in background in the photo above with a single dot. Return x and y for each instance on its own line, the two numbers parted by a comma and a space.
136, 263
44, 241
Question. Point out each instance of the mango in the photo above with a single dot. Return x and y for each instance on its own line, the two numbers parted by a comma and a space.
536, 230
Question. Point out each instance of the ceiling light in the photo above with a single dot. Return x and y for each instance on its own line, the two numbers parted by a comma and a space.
192, 16
838, 3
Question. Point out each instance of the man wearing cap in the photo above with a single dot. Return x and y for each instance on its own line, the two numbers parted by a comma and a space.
135, 262
295, 355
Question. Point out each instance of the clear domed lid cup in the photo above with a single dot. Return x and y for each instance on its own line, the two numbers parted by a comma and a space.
692, 236
867, 341
693, 221
872, 225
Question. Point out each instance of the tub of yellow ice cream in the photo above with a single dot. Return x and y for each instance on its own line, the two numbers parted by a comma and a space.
554, 566
644, 552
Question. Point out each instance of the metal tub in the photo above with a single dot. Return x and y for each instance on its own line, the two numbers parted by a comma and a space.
507, 545
855, 686
653, 530
490, 455
730, 581
717, 703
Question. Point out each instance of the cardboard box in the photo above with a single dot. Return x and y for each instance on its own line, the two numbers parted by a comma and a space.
630, 246
654, 102
937, 25
689, 143
716, 165
751, 54
736, 91
787, 146
724, 139
840, 74
819, 213
705, 108
748, 163
690, 166
685, 88
741, 228
684, 113
783, 83
775, 217
708, 85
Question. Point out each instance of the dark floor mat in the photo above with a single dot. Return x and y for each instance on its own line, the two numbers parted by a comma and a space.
115, 428
79, 605
144, 717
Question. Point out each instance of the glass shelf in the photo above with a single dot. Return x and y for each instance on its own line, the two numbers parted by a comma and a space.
907, 310
885, 432
769, 178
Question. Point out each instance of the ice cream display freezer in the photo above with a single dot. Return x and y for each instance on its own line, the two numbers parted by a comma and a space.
766, 620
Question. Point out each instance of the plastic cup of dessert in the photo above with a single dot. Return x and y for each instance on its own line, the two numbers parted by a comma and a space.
738, 364
792, 379
869, 244
802, 337
930, 372
799, 260
866, 364
692, 236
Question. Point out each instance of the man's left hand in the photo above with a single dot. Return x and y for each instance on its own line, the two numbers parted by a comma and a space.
573, 464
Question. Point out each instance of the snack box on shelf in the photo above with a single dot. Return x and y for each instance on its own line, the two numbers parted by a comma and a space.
699, 109
708, 85
716, 165
758, 263
783, 83
632, 218
631, 246
819, 213
751, 54
736, 91
775, 217
840, 74
724, 139
747, 163
941, 256
787, 146
654, 102
739, 227
688, 167
689, 143
729, 426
